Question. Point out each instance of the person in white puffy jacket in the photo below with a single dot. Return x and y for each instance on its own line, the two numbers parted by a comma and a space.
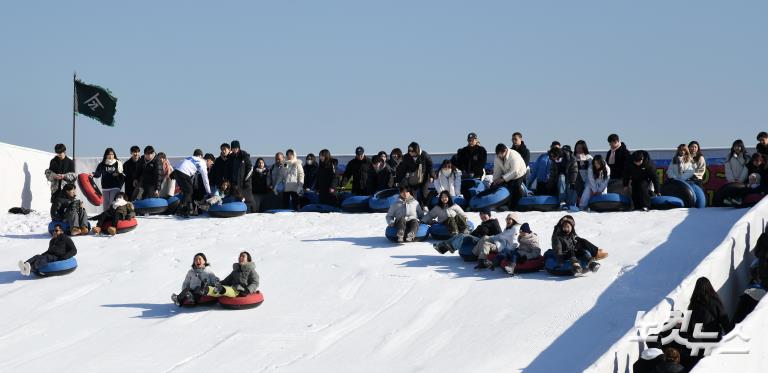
196, 282
736, 163
405, 214
597, 180
504, 241
448, 179
448, 213
681, 167
292, 180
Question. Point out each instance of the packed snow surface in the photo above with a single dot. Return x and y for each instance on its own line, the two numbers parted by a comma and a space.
339, 297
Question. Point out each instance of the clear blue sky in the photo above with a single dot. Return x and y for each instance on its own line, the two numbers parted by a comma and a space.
335, 74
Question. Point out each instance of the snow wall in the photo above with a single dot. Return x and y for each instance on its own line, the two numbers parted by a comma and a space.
727, 267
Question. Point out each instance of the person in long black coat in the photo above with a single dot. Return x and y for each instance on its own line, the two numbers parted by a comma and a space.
706, 309
131, 172
327, 178
150, 174
241, 173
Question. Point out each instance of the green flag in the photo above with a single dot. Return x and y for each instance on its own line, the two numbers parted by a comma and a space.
95, 102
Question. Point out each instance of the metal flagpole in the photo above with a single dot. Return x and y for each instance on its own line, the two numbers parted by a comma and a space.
74, 111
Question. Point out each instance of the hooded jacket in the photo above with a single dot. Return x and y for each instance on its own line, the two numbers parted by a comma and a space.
646, 171
243, 278
404, 209
507, 239
310, 175
196, 276
529, 245
419, 167
293, 177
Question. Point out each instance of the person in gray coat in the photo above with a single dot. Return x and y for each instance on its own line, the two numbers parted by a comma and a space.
196, 282
405, 215
242, 281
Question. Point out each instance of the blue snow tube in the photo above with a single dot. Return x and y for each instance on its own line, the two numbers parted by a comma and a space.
476, 186
277, 211
150, 206
538, 203
319, 207
64, 226
666, 203
356, 204
679, 189
490, 198
173, 204
465, 251
228, 210
459, 200
61, 267
609, 202
310, 197
382, 199
565, 269
701, 197
440, 231
421, 233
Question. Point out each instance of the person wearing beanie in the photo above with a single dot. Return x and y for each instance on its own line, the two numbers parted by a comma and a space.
60, 172
568, 246
471, 159
509, 170
358, 170
416, 172
241, 173
242, 281
196, 283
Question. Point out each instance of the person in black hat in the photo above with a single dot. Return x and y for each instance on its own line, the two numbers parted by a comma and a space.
196, 282
241, 173
471, 159
358, 169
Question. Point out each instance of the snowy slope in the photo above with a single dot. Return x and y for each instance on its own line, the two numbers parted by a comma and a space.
339, 297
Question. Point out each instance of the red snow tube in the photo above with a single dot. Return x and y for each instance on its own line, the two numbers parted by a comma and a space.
252, 300
90, 189
122, 225
530, 265
203, 301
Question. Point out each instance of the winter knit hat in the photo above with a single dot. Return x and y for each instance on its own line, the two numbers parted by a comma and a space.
201, 255
525, 228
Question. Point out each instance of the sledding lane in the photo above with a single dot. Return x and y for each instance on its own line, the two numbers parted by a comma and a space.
338, 295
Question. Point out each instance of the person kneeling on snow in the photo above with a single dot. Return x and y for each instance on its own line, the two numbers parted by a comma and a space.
503, 243
69, 209
120, 209
570, 247
196, 283
405, 214
60, 247
448, 213
527, 248
242, 281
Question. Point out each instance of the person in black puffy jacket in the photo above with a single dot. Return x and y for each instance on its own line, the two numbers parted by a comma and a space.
60, 247
358, 169
242, 281
416, 172
471, 159
150, 175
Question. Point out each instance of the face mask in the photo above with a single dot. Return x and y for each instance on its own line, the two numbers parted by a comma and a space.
445, 171
309, 162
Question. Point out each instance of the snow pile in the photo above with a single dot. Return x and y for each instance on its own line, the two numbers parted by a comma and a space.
339, 296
